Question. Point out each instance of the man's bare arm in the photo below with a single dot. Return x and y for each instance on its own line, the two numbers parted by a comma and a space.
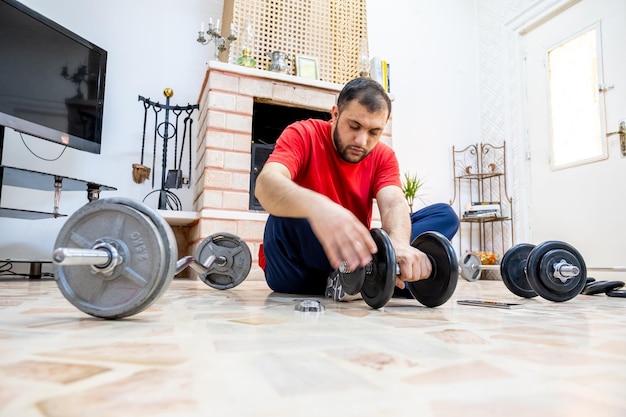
396, 221
342, 235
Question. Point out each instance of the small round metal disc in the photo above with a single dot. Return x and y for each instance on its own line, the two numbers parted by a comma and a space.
232, 264
439, 287
144, 240
309, 306
378, 286
513, 270
540, 271
602, 287
470, 267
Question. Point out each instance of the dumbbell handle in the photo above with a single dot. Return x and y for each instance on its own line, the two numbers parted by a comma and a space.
72, 256
106, 257
343, 268
589, 268
562, 270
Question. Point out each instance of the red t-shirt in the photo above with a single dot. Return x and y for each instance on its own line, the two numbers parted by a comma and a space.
306, 149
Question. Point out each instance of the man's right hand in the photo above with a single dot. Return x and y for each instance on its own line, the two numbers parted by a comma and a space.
342, 235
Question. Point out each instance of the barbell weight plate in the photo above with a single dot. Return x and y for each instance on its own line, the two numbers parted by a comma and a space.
547, 263
616, 293
236, 256
513, 270
601, 287
144, 240
540, 271
439, 287
470, 267
166, 234
378, 286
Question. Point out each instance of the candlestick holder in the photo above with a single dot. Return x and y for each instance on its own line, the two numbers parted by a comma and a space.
221, 43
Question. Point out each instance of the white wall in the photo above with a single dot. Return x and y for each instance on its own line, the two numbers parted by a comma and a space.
432, 49
151, 45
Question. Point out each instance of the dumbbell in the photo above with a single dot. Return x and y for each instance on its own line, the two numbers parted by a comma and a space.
471, 266
114, 257
553, 270
376, 281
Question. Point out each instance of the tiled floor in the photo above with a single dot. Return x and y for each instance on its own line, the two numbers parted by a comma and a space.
246, 352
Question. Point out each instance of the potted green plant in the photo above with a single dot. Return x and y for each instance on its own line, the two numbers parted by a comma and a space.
410, 186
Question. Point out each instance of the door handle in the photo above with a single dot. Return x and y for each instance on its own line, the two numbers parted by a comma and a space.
622, 136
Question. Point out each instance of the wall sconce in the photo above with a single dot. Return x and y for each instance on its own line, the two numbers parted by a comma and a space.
214, 36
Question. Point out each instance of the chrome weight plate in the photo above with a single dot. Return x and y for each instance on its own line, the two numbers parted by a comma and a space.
169, 243
143, 239
232, 263
470, 267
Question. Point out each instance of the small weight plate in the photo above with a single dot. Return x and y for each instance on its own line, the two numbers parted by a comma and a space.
540, 271
379, 284
144, 240
513, 270
616, 293
232, 264
601, 287
439, 287
470, 267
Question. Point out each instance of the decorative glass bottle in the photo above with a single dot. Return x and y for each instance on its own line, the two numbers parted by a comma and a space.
246, 59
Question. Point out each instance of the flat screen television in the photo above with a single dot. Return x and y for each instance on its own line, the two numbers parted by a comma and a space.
51, 80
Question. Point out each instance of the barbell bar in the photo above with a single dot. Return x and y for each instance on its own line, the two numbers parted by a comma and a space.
103, 260
114, 257
471, 266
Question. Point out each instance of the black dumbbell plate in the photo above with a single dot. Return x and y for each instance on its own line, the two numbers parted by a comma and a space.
513, 270
540, 271
440, 286
378, 286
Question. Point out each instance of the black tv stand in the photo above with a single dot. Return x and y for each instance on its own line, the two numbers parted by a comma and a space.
26, 178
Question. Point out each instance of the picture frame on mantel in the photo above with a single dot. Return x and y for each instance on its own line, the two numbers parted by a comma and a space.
307, 67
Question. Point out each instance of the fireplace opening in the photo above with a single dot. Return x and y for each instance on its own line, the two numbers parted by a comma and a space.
268, 122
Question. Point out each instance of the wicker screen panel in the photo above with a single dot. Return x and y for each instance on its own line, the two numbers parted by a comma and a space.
329, 30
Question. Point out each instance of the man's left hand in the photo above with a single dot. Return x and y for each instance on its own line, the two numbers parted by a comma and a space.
414, 264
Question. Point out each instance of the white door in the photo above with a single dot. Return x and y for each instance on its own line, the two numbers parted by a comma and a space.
582, 203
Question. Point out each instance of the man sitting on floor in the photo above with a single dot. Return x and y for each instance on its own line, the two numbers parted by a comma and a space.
318, 186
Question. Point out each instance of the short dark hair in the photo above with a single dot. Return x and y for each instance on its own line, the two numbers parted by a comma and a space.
367, 92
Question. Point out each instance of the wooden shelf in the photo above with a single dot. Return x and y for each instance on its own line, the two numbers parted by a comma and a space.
180, 218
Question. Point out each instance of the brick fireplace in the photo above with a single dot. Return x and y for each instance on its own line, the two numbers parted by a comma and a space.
224, 143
